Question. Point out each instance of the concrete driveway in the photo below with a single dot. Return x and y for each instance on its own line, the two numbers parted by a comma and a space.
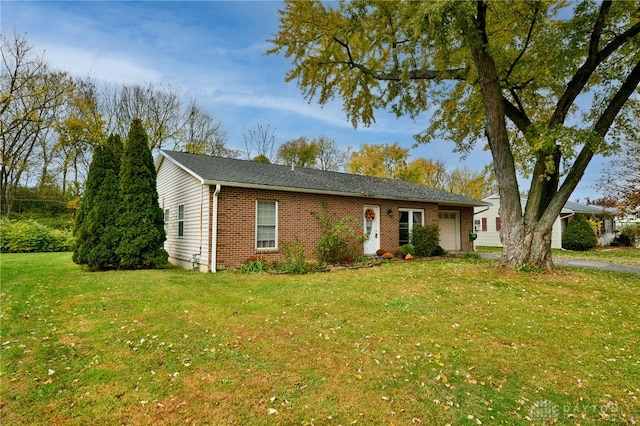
579, 263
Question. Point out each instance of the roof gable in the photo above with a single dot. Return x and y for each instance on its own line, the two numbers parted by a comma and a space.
243, 173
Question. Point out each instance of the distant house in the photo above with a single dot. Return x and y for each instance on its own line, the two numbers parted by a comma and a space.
487, 222
221, 211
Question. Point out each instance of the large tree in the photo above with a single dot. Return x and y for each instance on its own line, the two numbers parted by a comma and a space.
298, 152
79, 129
543, 81
380, 160
318, 153
141, 220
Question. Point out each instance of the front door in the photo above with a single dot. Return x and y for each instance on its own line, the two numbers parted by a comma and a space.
371, 229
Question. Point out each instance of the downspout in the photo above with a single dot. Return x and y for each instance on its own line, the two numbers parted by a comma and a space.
194, 256
214, 228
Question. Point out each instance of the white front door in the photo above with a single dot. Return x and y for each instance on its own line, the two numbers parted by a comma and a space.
371, 215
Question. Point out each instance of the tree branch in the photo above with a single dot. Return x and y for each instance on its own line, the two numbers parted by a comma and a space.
625, 91
601, 127
526, 45
595, 58
516, 115
416, 74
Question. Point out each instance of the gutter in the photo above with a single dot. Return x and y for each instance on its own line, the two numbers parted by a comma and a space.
214, 228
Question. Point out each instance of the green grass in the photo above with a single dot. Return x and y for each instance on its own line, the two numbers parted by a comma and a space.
453, 341
619, 255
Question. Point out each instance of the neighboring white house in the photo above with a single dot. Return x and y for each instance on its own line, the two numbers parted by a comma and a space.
487, 223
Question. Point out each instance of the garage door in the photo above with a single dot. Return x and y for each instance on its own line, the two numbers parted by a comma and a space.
449, 230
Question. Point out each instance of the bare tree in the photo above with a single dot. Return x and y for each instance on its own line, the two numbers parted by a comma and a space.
79, 129
329, 156
621, 179
203, 135
32, 96
259, 140
158, 106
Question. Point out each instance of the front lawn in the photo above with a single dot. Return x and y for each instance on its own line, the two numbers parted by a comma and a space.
453, 341
619, 255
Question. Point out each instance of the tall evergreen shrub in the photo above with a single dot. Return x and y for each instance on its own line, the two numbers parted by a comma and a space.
141, 221
97, 235
579, 235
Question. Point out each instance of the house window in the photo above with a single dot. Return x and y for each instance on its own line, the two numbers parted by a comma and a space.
266, 224
484, 224
181, 220
498, 223
166, 221
477, 225
409, 219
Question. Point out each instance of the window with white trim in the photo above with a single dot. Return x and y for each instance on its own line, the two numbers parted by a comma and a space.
266, 224
166, 221
181, 220
408, 219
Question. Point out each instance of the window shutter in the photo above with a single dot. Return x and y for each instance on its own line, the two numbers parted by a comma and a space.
484, 224
498, 223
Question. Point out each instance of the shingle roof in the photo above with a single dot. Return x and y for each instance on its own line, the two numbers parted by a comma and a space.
233, 172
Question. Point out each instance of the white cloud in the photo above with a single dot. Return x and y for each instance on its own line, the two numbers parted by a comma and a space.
109, 67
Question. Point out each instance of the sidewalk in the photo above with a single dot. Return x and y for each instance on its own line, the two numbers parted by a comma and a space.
579, 263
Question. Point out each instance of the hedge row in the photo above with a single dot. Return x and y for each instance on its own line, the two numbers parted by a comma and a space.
30, 236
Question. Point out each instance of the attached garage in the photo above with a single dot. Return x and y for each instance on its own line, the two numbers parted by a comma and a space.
449, 222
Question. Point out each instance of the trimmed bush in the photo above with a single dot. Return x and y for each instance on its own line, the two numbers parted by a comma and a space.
579, 235
425, 239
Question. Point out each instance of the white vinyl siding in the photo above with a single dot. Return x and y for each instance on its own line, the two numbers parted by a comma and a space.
266, 224
491, 237
177, 187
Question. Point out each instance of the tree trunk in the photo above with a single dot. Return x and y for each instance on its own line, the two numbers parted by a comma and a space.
526, 246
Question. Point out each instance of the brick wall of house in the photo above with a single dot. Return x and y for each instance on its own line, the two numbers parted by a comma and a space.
466, 227
237, 217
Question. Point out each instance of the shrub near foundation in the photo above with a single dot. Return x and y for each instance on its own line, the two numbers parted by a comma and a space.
425, 239
339, 240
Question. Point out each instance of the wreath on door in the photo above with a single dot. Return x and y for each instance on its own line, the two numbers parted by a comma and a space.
369, 214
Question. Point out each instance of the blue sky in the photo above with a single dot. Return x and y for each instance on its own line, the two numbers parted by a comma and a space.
213, 52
